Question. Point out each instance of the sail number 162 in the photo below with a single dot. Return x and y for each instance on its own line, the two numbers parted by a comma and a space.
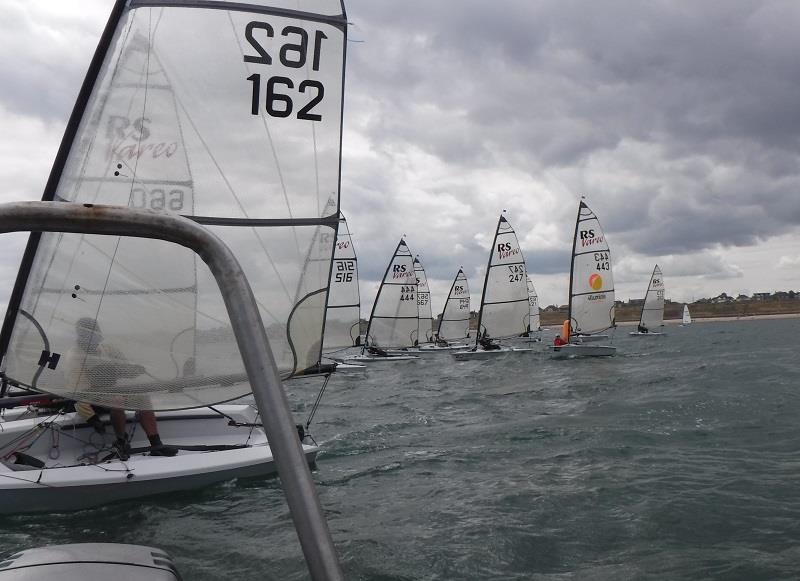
279, 92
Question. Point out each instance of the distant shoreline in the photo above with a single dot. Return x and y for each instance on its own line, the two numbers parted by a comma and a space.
705, 320
738, 318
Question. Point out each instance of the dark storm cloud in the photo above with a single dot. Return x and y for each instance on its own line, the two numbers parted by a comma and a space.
709, 89
547, 261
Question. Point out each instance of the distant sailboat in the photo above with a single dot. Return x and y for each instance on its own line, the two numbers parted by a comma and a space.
394, 321
343, 315
687, 317
652, 316
534, 325
425, 316
505, 306
453, 327
591, 290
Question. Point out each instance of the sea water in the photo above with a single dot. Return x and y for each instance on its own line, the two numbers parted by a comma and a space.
676, 459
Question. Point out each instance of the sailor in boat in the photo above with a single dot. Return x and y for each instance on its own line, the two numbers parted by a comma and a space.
487, 344
377, 351
558, 341
642, 329
101, 365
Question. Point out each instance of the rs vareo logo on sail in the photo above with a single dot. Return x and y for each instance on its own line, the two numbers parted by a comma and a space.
504, 250
400, 271
588, 237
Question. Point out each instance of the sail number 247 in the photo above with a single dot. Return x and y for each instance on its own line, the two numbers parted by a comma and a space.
280, 93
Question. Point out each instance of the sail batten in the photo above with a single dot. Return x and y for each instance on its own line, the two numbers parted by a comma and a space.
591, 288
230, 114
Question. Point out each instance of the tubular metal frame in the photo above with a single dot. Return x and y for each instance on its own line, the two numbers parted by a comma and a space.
262, 372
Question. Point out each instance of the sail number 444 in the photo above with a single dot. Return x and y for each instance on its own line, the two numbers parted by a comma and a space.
280, 93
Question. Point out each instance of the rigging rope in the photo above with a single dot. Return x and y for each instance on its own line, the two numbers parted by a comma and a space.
317, 401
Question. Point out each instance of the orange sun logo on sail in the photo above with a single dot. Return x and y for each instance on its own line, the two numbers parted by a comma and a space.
596, 282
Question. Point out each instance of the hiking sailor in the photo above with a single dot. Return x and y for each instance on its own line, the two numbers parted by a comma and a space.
100, 365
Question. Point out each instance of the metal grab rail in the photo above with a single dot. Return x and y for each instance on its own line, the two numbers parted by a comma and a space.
298, 486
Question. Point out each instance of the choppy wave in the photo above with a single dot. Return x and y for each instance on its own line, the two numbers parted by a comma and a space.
675, 460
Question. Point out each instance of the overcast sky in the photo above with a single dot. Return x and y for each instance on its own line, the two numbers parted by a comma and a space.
679, 122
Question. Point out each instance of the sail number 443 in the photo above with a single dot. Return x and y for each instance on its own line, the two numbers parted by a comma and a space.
601, 260
280, 93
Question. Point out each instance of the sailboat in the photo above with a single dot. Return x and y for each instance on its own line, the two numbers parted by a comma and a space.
505, 307
343, 315
533, 332
652, 316
453, 328
394, 321
425, 315
687, 317
591, 291
230, 116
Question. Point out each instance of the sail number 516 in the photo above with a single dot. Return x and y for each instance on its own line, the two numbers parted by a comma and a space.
278, 91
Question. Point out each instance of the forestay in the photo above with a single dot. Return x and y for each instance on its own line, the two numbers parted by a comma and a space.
534, 323
226, 112
394, 319
425, 328
504, 308
454, 323
344, 303
653, 307
591, 294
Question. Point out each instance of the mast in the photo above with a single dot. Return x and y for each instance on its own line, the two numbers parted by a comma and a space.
581, 205
449, 294
486, 278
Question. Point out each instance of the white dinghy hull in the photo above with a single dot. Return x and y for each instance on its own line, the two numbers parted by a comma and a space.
481, 354
70, 482
650, 334
588, 338
371, 359
579, 350
439, 349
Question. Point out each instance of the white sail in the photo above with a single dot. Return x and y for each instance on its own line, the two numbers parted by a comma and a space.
653, 307
425, 328
591, 296
687, 317
533, 301
227, 113
344, 301
454, 323
505, 307
394, 320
